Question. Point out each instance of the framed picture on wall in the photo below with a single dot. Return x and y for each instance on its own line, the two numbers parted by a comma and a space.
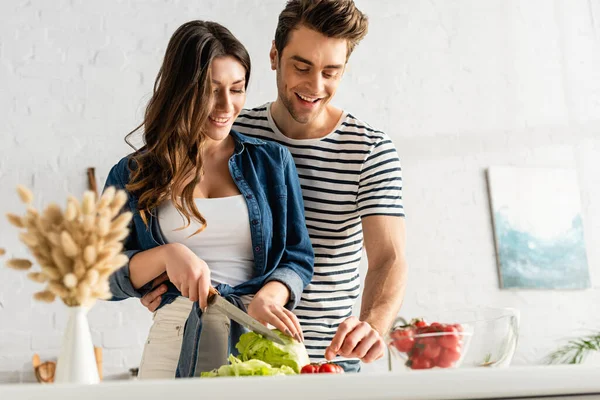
538, 228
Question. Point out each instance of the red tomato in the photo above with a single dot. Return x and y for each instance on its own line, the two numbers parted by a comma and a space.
403, 340
310, 369
459, 327
436, 325
432, 350
442, 362
451, 339
449, 356
426, 329
420, 362
330, 368
420, 323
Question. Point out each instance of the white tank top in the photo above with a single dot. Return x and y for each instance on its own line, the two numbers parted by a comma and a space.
225, 244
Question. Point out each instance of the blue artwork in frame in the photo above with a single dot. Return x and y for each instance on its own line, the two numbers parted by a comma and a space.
538, 228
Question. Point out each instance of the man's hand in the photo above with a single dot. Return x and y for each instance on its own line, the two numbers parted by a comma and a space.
356, 339
151, 300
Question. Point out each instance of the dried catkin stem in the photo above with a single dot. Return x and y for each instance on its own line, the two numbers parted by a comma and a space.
89, 255
107, 197
45, 296
20, 264
88, 204
68, 244
38, 277
25, 194
15, 220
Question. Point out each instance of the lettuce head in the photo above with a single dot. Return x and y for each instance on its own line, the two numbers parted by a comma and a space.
292, 354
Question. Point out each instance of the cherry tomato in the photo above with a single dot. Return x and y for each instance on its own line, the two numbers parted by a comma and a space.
403, 339
420, 323
449, 356
330, 368
424, 329
420, 362
451, 339
431, 350
459, 327
310, 369
436, 326
442, 362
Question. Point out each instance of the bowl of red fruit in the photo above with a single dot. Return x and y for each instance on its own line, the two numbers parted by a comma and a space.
420, 345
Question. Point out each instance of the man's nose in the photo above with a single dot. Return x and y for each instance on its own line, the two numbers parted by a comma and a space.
316, 83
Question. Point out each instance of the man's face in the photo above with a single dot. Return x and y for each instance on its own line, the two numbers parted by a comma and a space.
308, 72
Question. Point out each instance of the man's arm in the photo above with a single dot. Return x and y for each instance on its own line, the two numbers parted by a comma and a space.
385, 283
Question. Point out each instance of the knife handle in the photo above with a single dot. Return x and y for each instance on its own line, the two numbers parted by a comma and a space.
212, 292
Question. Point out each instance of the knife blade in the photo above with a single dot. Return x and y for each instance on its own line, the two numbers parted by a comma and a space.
216, 301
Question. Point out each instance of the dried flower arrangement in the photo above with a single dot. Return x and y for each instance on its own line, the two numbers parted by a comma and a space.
76, 250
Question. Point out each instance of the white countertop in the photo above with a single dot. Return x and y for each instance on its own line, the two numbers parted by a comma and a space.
481, 383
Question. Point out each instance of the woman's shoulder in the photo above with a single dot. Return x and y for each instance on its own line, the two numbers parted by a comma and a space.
121, 170
260, 147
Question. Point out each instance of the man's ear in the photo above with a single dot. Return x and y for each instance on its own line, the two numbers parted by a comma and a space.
273, 55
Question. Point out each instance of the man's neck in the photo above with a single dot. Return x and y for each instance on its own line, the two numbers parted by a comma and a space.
318, 128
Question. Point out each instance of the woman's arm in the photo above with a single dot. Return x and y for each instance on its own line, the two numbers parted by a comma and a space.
185, 270
296, 267
283, 288
120, 283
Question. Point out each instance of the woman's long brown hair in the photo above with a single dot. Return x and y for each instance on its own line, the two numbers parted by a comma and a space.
176, 117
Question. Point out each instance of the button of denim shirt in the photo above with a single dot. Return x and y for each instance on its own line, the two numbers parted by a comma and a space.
238, 178
254, 221
249, 196
257, 248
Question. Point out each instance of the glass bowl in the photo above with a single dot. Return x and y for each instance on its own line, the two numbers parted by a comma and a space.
495, 335
437, 345
490, 340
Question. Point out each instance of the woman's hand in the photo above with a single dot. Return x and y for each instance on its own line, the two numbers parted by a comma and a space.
267, 308
188, 273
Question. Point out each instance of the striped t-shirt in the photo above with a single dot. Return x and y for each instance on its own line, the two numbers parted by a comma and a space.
351, 173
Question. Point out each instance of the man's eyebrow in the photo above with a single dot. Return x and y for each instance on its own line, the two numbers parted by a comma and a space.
234, 83
305, 61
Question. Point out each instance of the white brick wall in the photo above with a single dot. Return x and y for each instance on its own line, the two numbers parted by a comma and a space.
459, 85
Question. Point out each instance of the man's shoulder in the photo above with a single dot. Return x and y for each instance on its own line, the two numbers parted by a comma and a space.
256, 113
354, 124
357, 129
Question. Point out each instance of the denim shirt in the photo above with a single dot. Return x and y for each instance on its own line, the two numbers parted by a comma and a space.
266, 176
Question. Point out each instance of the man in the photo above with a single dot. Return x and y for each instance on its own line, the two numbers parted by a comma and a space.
351, 181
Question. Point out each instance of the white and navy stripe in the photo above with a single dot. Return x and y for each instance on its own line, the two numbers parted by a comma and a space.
351, 173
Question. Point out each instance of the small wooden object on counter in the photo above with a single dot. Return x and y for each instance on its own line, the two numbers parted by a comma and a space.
44, 372
91, 174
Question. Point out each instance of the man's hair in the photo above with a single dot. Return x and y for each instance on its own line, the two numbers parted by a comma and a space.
338, 19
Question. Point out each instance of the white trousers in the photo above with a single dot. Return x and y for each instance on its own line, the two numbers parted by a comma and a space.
163, 346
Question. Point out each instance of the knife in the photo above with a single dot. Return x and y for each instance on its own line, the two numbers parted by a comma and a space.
216, 301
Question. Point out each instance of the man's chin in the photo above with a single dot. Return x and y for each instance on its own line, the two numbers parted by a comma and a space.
304, 117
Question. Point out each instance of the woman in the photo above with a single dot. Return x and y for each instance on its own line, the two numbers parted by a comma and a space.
211, 207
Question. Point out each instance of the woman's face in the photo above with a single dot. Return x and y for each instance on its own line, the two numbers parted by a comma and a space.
229, 95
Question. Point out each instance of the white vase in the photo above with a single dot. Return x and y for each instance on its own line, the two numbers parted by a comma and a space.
77, 361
